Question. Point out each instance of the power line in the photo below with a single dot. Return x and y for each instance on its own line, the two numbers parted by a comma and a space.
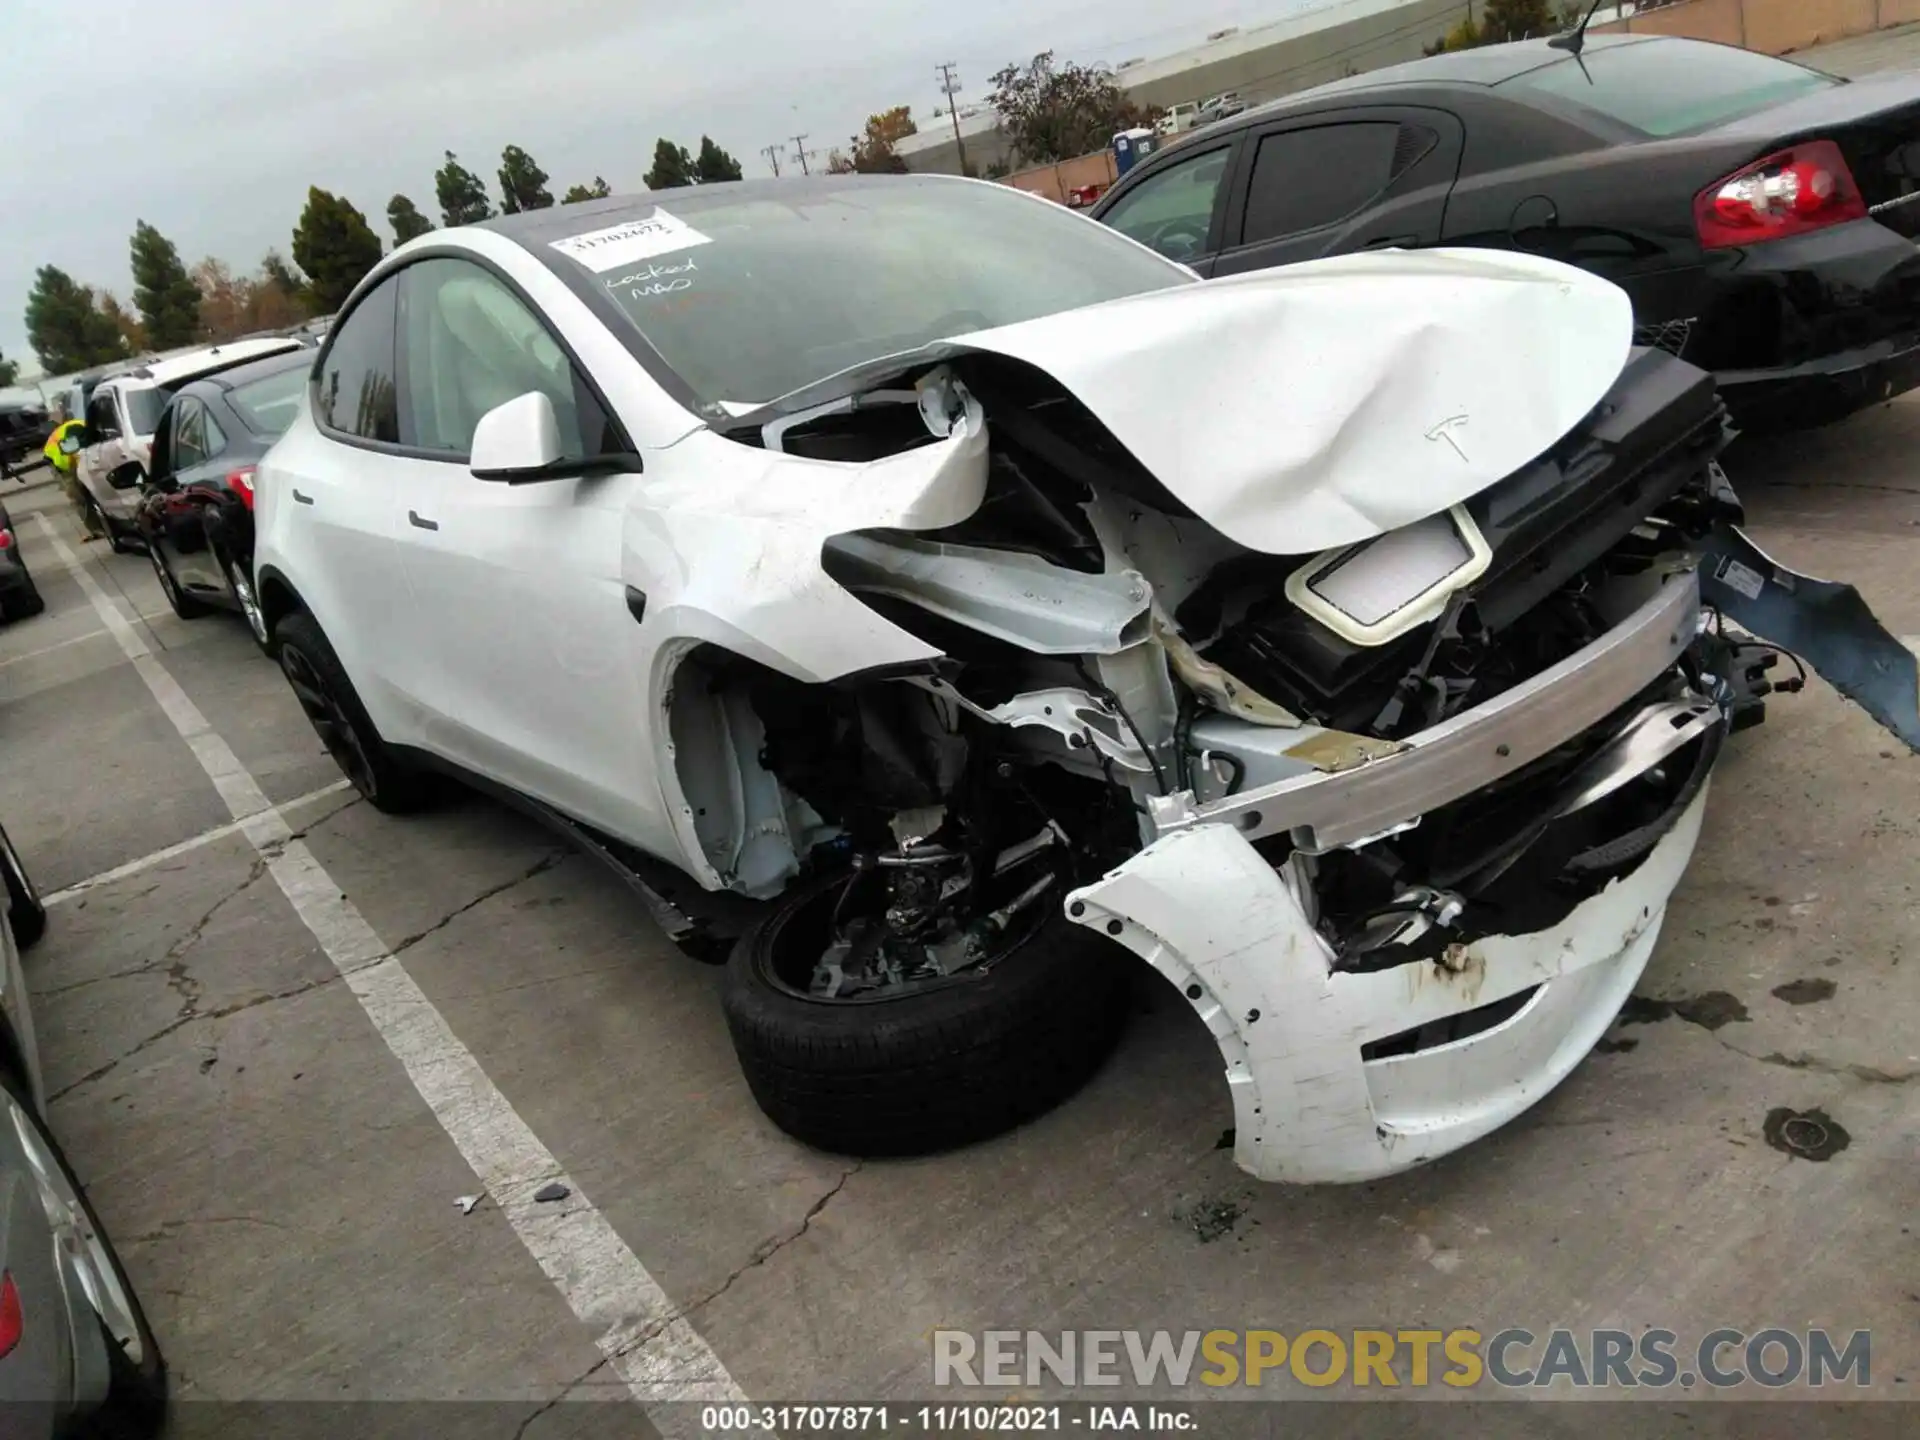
772, 152
950, 87
802, 153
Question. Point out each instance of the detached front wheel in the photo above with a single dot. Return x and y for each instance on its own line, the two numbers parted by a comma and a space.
919, 1066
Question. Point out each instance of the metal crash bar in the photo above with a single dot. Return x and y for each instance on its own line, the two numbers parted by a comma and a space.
1461, 755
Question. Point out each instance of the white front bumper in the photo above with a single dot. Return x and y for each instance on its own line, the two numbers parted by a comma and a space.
1205, 910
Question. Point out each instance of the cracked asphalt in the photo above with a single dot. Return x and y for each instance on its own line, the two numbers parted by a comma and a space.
285, 1200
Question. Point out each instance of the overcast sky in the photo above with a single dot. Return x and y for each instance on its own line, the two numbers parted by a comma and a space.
210, 118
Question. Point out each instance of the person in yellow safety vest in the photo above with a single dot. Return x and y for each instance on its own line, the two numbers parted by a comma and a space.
63, 453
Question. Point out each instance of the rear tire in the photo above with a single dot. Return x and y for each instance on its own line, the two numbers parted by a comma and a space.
321, 685
931, 1069
26, 914
23, 602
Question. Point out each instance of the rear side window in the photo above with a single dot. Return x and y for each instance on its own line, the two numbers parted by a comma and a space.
1303, 179
1671, 87
269, 405
355, 391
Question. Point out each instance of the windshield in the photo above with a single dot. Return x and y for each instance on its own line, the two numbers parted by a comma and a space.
144, 408
1673, 87
750, 298
269, 405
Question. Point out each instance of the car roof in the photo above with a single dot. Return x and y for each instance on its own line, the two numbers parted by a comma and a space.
275, 364
1483, 66
175, 370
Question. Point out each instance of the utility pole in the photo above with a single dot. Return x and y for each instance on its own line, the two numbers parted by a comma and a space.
772, 152
950, 87
798, 142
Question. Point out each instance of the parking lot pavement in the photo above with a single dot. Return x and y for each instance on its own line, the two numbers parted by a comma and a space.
280, 1152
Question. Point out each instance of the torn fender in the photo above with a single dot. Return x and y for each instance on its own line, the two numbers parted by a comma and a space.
1324, 403
1217, 921
727, 541
1827, 623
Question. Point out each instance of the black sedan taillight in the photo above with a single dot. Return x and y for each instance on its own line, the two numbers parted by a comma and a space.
1790, 193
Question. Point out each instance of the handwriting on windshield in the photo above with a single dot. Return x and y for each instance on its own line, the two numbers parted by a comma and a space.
653, 272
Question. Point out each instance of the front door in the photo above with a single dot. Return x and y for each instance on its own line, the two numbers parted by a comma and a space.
105, 450
1330, 184
519, 630
1177, 209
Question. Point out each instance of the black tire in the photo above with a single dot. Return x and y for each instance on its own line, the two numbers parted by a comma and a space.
931, 1069
26, 915
187, 607
137, 1398
22, 602
321, 685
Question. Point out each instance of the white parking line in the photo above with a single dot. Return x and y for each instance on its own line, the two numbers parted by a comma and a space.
640, 1331
205, 837
62, 644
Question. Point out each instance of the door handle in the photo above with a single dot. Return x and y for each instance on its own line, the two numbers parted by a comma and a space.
1399, 242
302, 499
420, 522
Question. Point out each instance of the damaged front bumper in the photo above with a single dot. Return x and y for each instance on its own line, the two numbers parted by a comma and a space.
1314, 1098
1342, 1072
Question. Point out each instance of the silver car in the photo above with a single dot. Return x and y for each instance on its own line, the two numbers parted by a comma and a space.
76, 1353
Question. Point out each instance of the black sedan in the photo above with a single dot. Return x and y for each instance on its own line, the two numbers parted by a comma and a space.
1761, 215
197, 516
19, 597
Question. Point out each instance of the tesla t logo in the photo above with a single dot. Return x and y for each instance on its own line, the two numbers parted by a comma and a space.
1445, 431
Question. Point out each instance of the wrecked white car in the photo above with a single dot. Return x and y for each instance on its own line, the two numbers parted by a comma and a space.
947, 599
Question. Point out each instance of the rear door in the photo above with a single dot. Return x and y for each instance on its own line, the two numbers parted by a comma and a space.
338, 486
193, 443
1366, 178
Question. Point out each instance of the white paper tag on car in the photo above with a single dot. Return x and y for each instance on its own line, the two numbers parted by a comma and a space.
658, 234
1742, 578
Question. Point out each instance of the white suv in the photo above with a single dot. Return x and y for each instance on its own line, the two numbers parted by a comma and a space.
123, 413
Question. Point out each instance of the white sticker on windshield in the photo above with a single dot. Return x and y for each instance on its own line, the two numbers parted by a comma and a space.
603, 250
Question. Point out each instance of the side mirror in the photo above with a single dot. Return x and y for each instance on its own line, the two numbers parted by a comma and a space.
127, 476
518, 441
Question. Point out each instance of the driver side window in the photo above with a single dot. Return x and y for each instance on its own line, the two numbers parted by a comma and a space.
469, 344
103, 421
1172, 211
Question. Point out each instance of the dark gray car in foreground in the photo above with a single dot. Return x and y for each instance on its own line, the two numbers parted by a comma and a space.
77, 1357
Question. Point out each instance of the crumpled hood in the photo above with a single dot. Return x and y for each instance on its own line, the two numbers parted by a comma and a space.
1325, 403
